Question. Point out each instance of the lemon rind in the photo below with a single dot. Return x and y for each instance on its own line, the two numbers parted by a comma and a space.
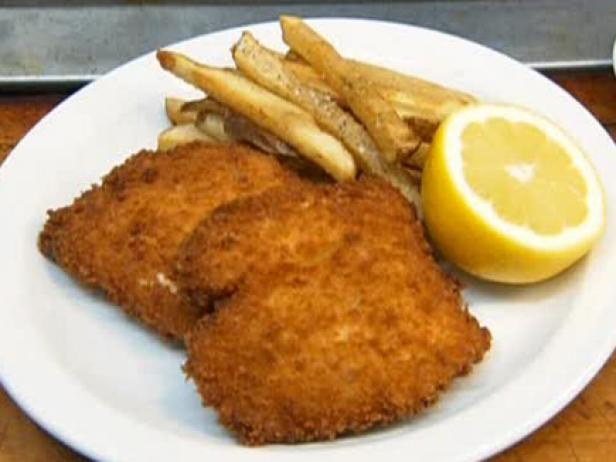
568, 237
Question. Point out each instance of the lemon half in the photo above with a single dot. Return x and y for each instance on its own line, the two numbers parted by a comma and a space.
508, 196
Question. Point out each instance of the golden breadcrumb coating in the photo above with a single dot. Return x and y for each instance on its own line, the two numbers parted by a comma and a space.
122, 236
331, 315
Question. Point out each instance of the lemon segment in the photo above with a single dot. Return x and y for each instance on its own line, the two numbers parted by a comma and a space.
508, 196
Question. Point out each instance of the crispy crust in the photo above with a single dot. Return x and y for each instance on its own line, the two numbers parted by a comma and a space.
331, 315
122, 236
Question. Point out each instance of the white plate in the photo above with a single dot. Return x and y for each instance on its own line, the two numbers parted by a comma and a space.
105, 386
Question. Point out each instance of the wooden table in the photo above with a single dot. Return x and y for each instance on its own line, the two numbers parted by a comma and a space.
584, 431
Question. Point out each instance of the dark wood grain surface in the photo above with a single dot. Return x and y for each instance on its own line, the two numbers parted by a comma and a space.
584, 431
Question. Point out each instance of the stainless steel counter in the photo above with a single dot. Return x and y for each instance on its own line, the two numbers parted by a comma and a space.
73, 42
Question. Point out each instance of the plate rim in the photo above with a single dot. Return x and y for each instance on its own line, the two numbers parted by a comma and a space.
531, 424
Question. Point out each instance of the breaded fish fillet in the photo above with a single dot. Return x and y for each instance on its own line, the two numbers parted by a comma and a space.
123, 235
331, 314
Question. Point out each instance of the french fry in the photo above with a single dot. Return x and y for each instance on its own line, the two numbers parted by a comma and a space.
213, 125
207, 105
425, 127
175, 112
182, 134
418, 110
394, 138
293, 56
413, 96
227, 127
266, 68
282, 118
422, 111
418, 159
247, 131
237, 128
423, 114
309, 77
415, 176
420, 103
412, 90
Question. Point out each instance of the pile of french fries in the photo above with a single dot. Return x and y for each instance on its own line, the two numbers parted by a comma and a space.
343, 115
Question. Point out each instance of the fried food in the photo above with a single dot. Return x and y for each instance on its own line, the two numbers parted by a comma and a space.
420, 103
268, 69
430, 99
177, 135
222, 125
213, 125
331, 316
207, 105
310, 78
418, 160
395, 139
122, 237
177, 114
238, 128
282, 118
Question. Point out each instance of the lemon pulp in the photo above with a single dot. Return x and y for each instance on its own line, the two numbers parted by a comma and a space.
508, 196
528, 179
